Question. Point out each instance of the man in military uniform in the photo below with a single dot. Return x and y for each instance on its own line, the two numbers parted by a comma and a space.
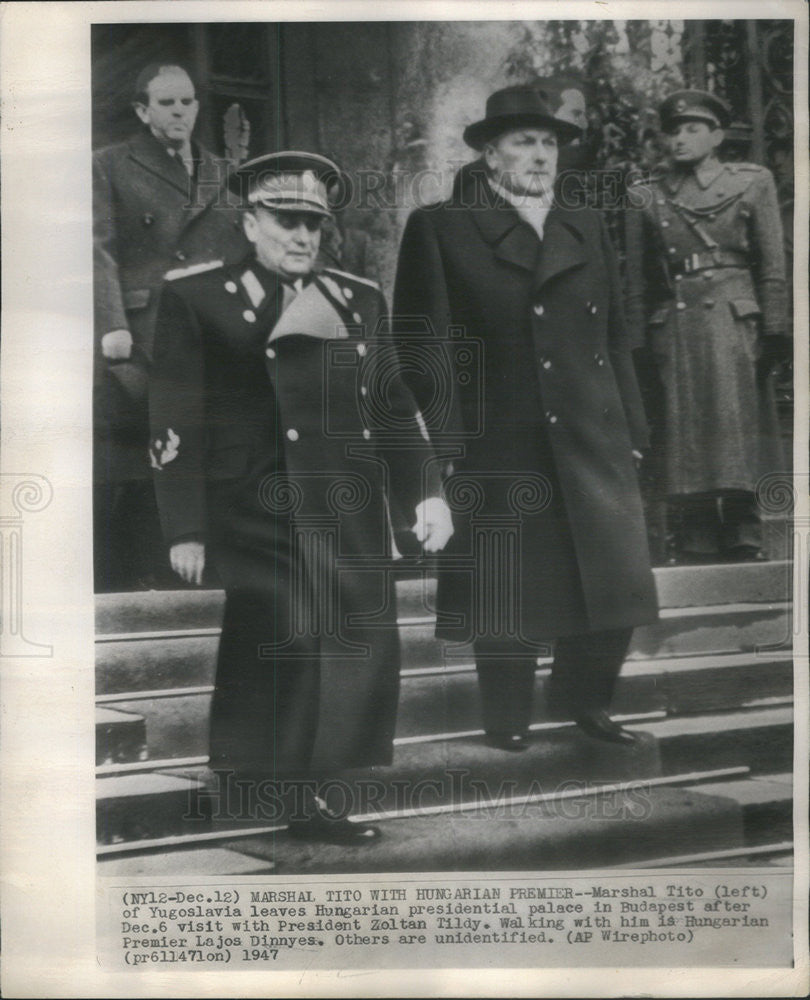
158, 202
280, 428
707, 276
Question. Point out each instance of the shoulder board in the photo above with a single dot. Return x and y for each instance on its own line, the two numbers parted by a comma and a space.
185, 272
650, 178
351, 277
748, 168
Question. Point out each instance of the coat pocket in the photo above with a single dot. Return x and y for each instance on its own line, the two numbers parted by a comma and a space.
657, 334
136, 298
748, 314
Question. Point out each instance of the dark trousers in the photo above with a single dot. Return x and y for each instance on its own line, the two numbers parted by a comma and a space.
583, 677
710, 525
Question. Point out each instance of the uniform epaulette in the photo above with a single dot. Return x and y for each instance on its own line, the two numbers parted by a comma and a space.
185, 272
753, 168
353, 277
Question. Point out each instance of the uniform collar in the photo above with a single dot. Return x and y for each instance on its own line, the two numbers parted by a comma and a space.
708, 171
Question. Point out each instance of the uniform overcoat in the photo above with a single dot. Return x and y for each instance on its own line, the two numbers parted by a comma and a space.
148, 218
707, 274
553, 395
266, 447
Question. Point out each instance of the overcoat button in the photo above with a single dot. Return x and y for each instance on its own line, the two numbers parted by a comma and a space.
361, 350
679, 277
348, 293
292, 434
230, 286
366, 433
665, 223
357, 317
249, 316
661, 201
672, 250
538, 309
681, 305
592, 309
547, 363
270, 352
363, 390
180, 255
148, 219
551, 417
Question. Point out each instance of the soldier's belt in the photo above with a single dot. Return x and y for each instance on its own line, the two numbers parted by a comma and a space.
710, 259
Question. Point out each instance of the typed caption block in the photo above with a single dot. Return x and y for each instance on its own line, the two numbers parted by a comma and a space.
706, 918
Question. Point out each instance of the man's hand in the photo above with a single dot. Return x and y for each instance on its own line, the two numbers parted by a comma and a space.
434, 524
116, 345
188, 561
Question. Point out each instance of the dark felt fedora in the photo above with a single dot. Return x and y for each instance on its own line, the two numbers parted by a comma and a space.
516, 107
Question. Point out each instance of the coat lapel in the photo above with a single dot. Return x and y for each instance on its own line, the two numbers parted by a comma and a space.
149, 154
502, 228
563, 246
211, 175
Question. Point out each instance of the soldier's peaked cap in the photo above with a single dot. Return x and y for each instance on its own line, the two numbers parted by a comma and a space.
290, 180
694, 105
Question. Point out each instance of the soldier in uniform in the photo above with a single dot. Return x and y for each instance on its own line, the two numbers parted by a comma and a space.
274, 457
706, 275
158, 200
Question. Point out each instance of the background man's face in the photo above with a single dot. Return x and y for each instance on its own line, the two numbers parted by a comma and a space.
573, 108
286, 242
172, 108
693, 141
524, 160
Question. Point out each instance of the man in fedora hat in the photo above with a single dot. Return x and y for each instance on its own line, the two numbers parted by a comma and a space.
158, 202
544, 434
706, 275
281, 435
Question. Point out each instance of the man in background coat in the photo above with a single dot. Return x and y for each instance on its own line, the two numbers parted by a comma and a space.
550, 542
280, 428
159, 202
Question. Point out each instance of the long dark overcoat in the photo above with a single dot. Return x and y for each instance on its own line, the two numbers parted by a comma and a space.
281, 453
147, 220
545, 408
707, 277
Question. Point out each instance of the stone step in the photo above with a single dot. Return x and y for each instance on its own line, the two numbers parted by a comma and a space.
155, 662
767, 805
134, 807
447, 701
461, 770
120, 736
678, 587
594, 832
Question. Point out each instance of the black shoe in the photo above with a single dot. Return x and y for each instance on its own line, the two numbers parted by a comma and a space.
330, 829
513, 742
600, 726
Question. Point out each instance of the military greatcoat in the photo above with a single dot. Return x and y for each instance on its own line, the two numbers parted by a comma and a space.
541, 405
282, 434
706, 274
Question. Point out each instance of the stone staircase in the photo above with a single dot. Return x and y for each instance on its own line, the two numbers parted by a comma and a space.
709, 686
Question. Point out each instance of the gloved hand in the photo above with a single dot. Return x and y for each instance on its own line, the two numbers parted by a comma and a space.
434, 524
